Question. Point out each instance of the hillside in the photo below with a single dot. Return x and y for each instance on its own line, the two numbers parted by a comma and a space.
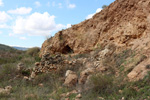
20, 48
8, 54
5, 48
115, 42
9, 48
124, 23
106, 57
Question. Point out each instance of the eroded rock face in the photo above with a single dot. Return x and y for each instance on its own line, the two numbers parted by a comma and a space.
140, 71
122, 23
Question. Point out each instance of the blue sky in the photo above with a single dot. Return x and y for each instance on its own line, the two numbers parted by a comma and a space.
28, 23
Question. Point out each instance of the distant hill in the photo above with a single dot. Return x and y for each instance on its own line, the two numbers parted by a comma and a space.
9, 54
5, 48
9, 48
20, 48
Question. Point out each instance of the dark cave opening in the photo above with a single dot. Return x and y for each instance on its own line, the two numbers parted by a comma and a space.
67, 50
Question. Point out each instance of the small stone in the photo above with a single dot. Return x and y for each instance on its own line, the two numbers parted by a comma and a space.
79, 96
74, 92
68, 94
37, 64
101, 69
69, 72
8, 88
26, 78
33, 75
2, 91
51, 99
122, 98
67, 99
41, 85
101, 98
20, 67
63, 95
120, 91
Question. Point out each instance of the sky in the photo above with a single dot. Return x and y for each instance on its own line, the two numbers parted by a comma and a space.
27, 23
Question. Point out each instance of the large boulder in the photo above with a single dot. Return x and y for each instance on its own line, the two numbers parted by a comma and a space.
71, 78
84, 74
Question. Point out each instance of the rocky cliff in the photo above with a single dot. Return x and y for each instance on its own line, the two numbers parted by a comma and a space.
124, 23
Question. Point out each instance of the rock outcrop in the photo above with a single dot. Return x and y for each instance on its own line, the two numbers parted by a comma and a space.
140, 71
114, 39
124, 23
48, 63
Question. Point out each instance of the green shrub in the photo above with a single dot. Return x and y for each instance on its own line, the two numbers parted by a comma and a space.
7, 71
26, 72
33, 51
101, 83
129, 92
104, 6
90, 95
9, 57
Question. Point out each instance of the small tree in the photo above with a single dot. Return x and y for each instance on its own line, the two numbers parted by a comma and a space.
104, 6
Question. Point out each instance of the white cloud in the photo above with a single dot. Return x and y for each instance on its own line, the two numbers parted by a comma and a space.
71, 6
22, 38
36, 24
98, 10
68, 25
4, 17
21, 11
1, 3
11, 34
54, 4
4, 26
0, 32
91, 15
37, 3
